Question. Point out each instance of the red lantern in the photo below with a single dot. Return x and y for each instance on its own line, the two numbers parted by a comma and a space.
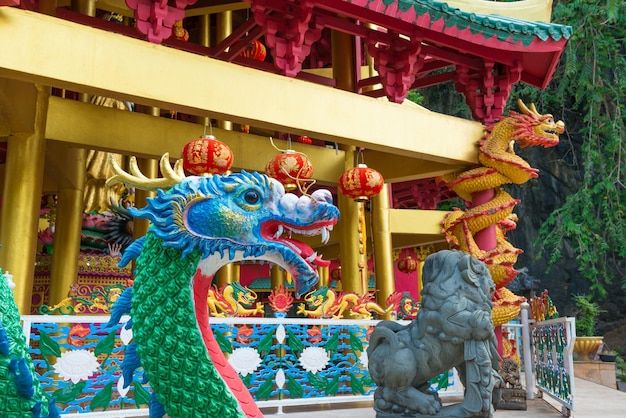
407, 265
290, 167
305, 140
336, 274
207, 155
361, 182
255, 50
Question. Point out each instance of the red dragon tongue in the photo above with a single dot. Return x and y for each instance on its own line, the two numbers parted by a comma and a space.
308, 254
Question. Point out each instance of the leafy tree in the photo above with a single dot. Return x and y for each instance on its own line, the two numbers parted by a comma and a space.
588, 91
590, 87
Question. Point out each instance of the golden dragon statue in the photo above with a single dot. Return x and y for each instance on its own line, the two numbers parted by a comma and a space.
326, 303
500, 165
233, 299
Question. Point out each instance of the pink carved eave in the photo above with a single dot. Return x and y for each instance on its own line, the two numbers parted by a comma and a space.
155, 18
538, 59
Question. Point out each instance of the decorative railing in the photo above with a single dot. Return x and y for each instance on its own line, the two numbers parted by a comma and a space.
553, 341
283, 361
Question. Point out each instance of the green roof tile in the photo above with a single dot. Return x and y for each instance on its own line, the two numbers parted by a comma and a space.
487, 25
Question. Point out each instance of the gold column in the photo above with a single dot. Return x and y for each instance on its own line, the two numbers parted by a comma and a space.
350, 241
86, 7
224, 27
422, 253
204, 39
344, 72
204, 30
383, 261
69, 221
226, 274
150, 168
71, 167
277, 277
22, 197
324, 274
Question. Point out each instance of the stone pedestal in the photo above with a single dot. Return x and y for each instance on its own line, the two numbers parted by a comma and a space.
513, 399
596, 371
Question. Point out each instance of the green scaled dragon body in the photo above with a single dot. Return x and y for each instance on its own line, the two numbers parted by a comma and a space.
21, 394
199, 225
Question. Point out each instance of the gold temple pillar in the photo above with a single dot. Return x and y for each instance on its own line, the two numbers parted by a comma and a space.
23, 178
277, 277
230, 272
350, 239
383, 261
70, 166
224, 27
344, 72
422, 253
324, 274
204, 39
150, 168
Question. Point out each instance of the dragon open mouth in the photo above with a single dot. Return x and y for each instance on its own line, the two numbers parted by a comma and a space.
281, 232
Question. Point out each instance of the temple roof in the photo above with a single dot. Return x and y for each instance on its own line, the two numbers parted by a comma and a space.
440, 17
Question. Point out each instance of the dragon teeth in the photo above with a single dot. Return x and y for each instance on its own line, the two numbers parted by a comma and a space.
279, 232
312, 257
325, 235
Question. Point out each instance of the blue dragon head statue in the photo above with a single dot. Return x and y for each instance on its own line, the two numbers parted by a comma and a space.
236, 217
198, 225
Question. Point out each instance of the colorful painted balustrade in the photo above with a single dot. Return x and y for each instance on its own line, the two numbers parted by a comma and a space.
283, 361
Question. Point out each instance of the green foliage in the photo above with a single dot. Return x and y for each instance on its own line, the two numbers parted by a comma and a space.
294, 342
415, 97
102, 398
589, 86
223, 342
587, 315
140, 394
69, 392
620, 366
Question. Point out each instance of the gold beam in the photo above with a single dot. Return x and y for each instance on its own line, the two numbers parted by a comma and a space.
226, 91
412, 221
412, 240
107, 129
398, 168
144, 136
408, 228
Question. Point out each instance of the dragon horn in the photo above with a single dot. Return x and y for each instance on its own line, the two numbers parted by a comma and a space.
534, 109
525, 110
171, 176
523, 107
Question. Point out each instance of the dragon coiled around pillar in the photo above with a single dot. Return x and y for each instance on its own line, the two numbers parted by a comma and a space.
197, 226
500, 165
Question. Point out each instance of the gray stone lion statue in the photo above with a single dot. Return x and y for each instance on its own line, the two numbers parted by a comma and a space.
453, 329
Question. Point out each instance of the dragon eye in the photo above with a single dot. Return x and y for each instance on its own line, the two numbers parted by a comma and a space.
251, 197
